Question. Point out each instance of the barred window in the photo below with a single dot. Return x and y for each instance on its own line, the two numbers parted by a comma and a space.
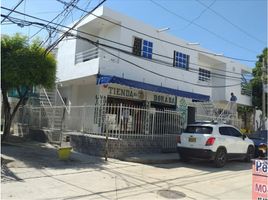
181, 60
204, 75
142, 48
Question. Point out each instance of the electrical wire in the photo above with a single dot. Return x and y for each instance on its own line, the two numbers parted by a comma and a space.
50, 22
72, 28
11, 11
147, 35
175, 44
195, 64
202, 27
61, 22
133, 64
230, 22
196, 18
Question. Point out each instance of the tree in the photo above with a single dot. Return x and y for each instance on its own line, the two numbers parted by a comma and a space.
256, 82
24, 66
245, 112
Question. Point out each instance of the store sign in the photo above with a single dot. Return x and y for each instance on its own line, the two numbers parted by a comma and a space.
165, 99
125, 92
259, 180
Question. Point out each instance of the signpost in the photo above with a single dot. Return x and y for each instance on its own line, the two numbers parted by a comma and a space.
259, 180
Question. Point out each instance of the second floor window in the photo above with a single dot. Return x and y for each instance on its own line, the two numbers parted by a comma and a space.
142, 48
181, 60
204, 75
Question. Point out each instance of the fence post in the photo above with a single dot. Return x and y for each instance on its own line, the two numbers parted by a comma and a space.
106, 140
83, 117
40, 117
120, 123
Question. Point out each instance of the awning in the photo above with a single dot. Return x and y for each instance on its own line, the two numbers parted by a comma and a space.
106, 79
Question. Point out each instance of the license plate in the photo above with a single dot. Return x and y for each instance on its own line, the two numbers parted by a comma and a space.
192, 139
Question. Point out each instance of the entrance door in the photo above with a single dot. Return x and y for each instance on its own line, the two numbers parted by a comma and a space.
191, 115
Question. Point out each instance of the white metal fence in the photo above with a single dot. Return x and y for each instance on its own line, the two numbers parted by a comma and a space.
117, 120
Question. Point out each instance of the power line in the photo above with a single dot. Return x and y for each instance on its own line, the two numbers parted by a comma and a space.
171, 58
61, 22
11, 11
72, 28
230, 22
51, 20
196, 18
134, 64
156, 38
201, 27
175, 44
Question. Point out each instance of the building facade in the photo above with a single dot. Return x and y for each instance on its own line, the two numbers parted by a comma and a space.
118, 60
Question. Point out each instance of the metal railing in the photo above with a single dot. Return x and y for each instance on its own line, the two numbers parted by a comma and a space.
87, 55
117, 120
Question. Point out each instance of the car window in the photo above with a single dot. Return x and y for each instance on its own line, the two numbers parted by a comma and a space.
234, 132
199, 129
224, 131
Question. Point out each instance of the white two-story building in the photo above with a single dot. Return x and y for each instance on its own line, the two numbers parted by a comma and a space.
116, 59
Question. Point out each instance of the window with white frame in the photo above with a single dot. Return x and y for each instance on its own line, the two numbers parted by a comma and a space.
142, 48
181, 60
204, 75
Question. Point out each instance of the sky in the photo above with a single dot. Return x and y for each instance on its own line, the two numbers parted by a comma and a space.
234, 28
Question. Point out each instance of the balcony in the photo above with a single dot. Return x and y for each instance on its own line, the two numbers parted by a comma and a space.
87, 55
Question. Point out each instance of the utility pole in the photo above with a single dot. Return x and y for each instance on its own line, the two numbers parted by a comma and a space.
263, 93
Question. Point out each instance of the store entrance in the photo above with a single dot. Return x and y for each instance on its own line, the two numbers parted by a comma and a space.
160, 106
125, 102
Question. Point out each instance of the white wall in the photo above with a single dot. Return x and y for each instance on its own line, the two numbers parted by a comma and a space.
111, 65
66, 68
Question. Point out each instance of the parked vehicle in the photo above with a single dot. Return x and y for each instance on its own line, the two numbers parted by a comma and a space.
260, 141
216, 142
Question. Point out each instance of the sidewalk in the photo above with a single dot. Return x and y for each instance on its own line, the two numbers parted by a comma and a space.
153, 158
32, 171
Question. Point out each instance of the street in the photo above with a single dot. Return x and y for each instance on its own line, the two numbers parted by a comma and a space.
33, 171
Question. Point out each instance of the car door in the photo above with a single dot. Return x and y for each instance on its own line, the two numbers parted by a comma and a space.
240, 143
228, 141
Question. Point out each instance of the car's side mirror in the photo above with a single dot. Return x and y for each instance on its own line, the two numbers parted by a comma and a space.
244, 137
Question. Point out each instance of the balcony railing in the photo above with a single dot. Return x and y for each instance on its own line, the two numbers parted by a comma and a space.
87, 55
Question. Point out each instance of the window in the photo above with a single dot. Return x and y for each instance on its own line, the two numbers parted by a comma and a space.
229, 131
204, 75
142, 48
199, 129
235, 132
147, 49
181, 60
224, 131
137, 46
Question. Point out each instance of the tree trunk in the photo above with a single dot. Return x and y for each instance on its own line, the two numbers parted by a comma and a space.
7, 126
9, 116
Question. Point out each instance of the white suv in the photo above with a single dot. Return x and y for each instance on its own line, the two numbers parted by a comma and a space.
212, 141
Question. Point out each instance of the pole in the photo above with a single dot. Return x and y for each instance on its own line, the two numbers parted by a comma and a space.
263, 95
106, 141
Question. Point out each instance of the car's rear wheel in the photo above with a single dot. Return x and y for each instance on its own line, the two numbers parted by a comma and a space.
220, 158
250, 154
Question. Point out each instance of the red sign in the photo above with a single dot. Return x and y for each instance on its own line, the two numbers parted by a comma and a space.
259, 180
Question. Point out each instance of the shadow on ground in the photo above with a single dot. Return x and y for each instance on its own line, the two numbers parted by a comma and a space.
208, 165
30, 154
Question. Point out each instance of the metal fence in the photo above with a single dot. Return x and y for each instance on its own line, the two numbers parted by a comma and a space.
117, 121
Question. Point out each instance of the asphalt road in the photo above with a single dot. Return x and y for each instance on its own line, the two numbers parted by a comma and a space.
33, 171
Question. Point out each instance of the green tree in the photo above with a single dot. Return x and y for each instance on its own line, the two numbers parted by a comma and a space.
245, 112
24, 66
256, 82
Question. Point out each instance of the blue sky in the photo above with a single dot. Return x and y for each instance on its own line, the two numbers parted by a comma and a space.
235, 28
